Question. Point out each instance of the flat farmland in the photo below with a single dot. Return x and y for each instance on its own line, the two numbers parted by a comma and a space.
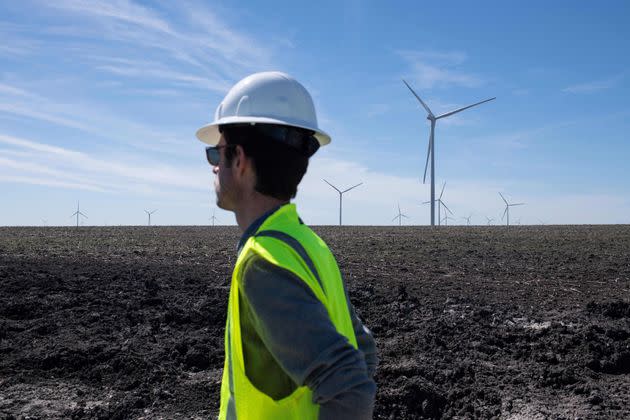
470, 322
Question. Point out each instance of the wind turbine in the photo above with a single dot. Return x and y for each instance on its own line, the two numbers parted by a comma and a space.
446, 219
467, 219
78, 213
431, 148
149, 213
341, 195
507, 209
489, 219
542, 222
45, 222
213, 218
440, 204
400, 216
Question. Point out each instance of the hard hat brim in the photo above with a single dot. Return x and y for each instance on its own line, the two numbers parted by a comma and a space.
209, 134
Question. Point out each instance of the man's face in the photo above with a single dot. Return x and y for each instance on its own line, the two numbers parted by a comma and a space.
224, 185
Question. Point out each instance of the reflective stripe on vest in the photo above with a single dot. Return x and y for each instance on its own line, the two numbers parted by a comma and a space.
282, 241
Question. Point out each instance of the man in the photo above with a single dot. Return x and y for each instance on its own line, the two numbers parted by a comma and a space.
294, 348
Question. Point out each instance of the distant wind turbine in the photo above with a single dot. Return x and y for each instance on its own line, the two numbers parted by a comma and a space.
45, 222
213, 218
446, 219
149, 213
489, 219
542, 222
507, 209
400, 216
431, 148
467, 219
341, 193
78, 213
440, 205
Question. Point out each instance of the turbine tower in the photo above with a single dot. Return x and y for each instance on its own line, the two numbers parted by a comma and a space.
507, 209
400, 216
467, 219
431, 148
446, 219
440, 204
78, 213
149, 213
341, 195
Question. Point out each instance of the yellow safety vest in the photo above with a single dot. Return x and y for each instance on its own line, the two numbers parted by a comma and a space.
283, 241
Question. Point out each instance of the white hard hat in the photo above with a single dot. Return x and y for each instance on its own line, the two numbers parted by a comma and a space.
266, 98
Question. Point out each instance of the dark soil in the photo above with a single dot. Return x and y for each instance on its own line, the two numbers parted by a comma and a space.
478, 322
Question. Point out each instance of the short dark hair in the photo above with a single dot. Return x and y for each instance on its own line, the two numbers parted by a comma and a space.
279, 167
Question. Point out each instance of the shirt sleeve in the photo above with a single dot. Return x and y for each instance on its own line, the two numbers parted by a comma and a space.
365, 341
296, 329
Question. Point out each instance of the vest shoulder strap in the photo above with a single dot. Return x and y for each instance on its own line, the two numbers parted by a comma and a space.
297, 247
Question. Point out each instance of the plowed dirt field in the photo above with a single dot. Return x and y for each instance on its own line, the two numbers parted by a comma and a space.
471, 322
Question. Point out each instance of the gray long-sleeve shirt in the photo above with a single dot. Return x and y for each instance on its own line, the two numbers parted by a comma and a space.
290, 341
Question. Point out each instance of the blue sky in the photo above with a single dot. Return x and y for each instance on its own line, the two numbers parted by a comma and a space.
100, 100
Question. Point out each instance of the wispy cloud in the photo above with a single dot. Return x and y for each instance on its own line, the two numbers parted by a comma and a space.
47, 182
145, 71
12, 90
88, 118
43, 116
593, 86
108, 174
122, 47
15, 45
121, 10
430, 69
192, 34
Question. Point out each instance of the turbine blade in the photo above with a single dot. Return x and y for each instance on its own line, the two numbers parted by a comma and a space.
405, 216
418, 98
394, 218
461, 109
398, 208
426, 164
449, 210
443, 186
351, 187
504, 211
506, 203
517, 204
332, 186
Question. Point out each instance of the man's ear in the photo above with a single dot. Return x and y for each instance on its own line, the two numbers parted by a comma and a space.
240, 159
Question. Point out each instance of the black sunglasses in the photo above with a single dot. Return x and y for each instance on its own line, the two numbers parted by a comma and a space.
213, 155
